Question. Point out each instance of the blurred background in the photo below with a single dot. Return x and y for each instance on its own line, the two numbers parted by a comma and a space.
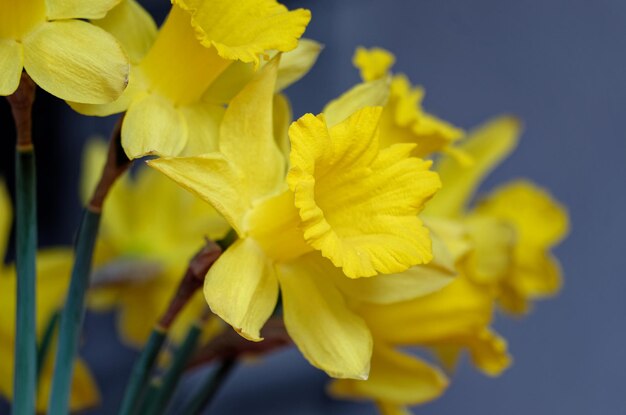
560, 65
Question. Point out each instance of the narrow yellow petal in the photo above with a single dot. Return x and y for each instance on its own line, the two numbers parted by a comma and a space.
203, 122
373, 63
489, 352
329, 335
246, 29
93, 160
132, 26
11, 64
358, 206
282, 119
242, 288
78, 9
213, 179
297, 63
395, 378
153, 125
487, 146
246, 134
76, 61
367, 94
6, 219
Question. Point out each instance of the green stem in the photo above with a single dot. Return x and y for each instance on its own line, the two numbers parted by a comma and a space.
72, 315
25, 370
46, 341
172, 376
209, 388
137, 383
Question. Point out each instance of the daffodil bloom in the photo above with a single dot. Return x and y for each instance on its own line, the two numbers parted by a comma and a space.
149, 231
167, 109
53, 267
446, 322
403, 119
512, 230
62, 53
344, 207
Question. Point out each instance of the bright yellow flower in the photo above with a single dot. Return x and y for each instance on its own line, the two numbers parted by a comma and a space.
63, 54
403, 119
54, 266
166, 102
149, 231
342, 199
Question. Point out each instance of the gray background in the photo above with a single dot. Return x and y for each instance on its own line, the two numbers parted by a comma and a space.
560, 66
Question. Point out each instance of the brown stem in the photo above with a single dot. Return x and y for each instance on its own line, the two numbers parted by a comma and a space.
117, 163
230, 345
21, 102
191, 281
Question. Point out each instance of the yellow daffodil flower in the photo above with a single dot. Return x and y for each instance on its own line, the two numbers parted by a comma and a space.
150, 229
512, 230
344, 208
403, 119
54, 266
62, 53
167, 108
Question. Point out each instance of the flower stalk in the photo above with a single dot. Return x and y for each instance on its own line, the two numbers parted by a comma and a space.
25, 371
74, 310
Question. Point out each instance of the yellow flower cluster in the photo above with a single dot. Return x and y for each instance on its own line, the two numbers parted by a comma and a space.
357, 224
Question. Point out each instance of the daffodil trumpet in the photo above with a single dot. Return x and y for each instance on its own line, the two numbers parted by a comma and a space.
25, 371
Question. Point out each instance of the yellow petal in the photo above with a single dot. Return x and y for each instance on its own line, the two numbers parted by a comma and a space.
487, 146
11, 63
374, 63
297, 63
388, 408
132, 26
153, 126
358, 206
76, 61
18, 18
493, 242
6, 219
93, 160
241, 288
246, 29
538, 219
203, 121
329, 335
489, 352
282, 119
367, 94
78, 9
246, 134
213, 179
395, 378
458, 309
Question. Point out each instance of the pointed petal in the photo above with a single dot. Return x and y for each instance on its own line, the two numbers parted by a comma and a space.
11, 64
373, 63
242, 288
246, 29
329, 335
153, 126
246, 134
78, 9
489, 352
282, 119
76, 61
367, 94
93, 161
395, 378
213, 179
487, 146
297, 63
132, 26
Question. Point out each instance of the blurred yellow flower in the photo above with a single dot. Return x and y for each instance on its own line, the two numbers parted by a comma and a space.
167, 108
342, 198
54, 266
150, 229
62, 53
